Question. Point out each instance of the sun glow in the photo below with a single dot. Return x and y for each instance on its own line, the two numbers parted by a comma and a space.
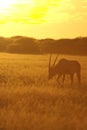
25, 11
5, 4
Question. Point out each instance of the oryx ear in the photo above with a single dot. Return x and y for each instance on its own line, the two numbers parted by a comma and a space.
55, 59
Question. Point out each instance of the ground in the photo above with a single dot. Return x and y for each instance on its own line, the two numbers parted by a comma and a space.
28, 101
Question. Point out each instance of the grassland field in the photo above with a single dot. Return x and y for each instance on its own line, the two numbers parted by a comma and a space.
28, 101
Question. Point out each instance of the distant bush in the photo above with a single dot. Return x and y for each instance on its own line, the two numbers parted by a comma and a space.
24, 45
3, 44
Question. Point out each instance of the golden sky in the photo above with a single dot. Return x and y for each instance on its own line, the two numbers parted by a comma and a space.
43, 18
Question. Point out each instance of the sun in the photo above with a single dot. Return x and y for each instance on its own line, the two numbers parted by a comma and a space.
26, 11
5, 4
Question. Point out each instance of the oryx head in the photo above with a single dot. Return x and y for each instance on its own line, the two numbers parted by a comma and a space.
51, 68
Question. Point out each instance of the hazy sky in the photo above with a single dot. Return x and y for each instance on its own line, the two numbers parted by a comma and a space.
43, 18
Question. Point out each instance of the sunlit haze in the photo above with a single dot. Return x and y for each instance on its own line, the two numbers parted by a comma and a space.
43, 18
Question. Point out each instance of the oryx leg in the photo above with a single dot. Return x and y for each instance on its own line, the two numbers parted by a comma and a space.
63, 79
79, 77
71, 76
59, 75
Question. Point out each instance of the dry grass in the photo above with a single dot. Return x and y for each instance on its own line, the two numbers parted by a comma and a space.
29, 102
